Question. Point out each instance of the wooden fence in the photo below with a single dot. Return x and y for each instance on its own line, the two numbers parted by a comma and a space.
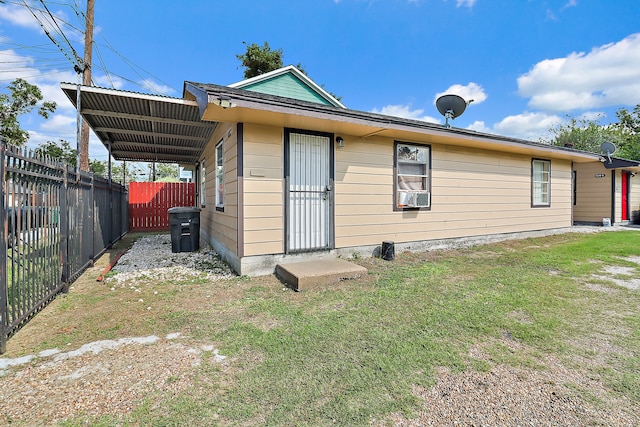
149, 202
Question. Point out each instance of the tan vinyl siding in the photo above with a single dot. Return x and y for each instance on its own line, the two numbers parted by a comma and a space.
473, 192
263, 190
593, 192
222, 226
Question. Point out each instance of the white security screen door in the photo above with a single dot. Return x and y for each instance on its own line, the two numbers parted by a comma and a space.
310, 195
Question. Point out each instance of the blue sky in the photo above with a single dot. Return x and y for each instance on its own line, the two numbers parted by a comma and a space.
526, 63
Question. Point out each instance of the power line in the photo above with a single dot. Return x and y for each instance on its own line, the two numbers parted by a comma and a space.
78, 64
104, 67
70, 53
55, 21
134, 66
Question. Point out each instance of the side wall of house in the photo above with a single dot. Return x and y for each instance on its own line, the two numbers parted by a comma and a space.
219, 227
263, 190
593, 193
474, 193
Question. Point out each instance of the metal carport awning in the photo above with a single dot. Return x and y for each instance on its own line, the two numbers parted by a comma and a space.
143, 128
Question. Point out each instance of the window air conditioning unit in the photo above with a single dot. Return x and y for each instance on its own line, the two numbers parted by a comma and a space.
415, 199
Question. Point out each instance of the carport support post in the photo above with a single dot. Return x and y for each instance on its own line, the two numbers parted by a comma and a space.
109, 162
4, 304
78, 129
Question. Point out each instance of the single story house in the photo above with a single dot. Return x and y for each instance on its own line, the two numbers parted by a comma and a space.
286, 172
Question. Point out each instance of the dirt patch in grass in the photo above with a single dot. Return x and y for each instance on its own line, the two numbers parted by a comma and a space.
621, 275
106, 377
507, 396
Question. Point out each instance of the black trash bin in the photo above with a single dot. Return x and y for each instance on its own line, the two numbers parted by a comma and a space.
184, 223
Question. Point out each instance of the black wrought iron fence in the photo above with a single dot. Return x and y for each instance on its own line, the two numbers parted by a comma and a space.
56, 223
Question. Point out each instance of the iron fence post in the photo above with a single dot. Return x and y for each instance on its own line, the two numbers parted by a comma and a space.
92, 219
63, 217
4, 305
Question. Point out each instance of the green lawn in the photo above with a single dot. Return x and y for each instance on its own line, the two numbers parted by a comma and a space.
352, 352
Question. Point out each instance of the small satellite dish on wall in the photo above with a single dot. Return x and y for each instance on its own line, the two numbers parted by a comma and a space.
451, 106
608, 148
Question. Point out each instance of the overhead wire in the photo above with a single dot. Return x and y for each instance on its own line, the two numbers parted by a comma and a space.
55, 21
134, 67
76, 59
54, 27
104, 66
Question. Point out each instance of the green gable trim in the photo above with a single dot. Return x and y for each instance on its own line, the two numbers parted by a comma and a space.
289, 86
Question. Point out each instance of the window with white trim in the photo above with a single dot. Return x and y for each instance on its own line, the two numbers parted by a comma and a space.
220, 175
412, 176
540, 183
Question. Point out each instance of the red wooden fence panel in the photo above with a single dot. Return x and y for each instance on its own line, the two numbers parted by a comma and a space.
149, 202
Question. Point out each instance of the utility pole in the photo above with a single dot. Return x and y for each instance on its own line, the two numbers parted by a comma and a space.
83, 151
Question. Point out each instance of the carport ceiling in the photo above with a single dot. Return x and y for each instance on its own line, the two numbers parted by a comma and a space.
143, 128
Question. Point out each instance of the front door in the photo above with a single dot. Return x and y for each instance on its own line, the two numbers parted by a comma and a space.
309, 186
625, 196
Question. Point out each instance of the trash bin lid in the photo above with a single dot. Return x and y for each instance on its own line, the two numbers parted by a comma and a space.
183, 209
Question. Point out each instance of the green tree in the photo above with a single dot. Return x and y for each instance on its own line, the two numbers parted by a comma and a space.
22, 98
98, 168
167, 172
628, 126
582, 134
126, 172
63, 152
260, 59
589, 134
60, 150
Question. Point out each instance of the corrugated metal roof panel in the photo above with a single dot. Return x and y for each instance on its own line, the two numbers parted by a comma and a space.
142, 127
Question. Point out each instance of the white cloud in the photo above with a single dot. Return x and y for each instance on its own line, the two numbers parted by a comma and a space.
480, 126
609, 75
21, 16
50, 88
18, 15
528, 125
108, 81
13, 65
60, 123
465, 3
472, 91
406, 112
156, 87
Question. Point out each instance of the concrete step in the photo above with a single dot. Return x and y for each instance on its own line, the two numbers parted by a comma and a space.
306, 275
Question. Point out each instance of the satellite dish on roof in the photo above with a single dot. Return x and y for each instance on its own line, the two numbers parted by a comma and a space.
451, 106
608, 148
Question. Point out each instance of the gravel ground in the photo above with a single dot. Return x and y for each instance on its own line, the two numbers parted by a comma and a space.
151, 256
113, 377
